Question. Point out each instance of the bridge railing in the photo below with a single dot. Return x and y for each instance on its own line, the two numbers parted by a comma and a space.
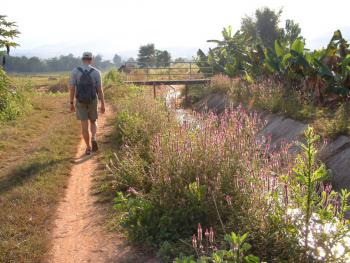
148, 71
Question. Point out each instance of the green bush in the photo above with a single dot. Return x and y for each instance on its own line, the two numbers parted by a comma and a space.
13, 100
112, 78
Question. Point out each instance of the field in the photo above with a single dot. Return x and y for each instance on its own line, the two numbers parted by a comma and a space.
51, 82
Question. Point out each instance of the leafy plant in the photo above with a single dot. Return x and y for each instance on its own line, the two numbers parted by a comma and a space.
238, 252
322, 75
318, 207
8, 31
13, 101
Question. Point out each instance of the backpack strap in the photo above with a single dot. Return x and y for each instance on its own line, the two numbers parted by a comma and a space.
84, 71
81, 70
91, 70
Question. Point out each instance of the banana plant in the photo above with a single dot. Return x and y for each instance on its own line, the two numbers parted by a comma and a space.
323, 74
230, 54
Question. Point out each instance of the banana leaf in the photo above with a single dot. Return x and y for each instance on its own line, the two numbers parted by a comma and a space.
324, 70
298, 46
278, 49
300, 59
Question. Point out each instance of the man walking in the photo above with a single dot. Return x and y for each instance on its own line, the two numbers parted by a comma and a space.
86, 87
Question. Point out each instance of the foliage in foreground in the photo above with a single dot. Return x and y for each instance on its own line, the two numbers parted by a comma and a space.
13, 101
236, 253
216, 172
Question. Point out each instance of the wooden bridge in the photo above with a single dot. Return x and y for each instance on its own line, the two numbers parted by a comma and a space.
167, 73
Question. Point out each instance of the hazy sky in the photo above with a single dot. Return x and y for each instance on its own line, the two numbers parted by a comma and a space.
107, 26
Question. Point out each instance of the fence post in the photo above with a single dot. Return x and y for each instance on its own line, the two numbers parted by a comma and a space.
154, 91
190, 70
147, 71
169, 71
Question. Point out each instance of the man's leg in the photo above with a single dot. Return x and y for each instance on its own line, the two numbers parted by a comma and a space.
93, 129
85, 133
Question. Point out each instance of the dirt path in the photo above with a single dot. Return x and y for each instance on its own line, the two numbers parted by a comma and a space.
78, 234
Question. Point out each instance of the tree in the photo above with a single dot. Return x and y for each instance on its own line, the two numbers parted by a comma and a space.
263, 27
248, 27
291, 32
267, 25
146, 55
8, 31
117, 60
61, 63
179, 60
35, 65
163, 58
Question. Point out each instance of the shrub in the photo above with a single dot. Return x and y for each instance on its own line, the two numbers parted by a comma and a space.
13, 100
112, 78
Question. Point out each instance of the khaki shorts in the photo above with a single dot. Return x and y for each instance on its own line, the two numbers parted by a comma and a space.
86, 111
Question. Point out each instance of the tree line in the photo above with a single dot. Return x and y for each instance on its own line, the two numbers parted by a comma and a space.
25, 64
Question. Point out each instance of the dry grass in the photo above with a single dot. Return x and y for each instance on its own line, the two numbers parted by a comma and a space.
44, 82
35, 159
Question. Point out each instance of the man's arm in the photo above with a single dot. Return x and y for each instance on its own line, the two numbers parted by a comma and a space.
101, 97
100, 93
72, 91
71, 97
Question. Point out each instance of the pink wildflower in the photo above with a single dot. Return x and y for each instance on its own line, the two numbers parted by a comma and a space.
199, 232
194, 241
228, 199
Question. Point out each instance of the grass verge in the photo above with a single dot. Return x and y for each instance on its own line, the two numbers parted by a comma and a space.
35, 161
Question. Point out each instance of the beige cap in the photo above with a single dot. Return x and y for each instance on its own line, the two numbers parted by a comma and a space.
87, 55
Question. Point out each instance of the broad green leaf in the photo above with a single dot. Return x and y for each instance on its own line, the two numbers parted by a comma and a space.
298, 46
278, 49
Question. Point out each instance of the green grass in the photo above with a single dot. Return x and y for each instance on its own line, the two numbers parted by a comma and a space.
35, 160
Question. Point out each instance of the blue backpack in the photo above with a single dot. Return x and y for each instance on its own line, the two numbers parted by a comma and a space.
86, 87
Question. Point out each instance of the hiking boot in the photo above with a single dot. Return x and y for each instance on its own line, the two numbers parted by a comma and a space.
88, 151
94, 146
